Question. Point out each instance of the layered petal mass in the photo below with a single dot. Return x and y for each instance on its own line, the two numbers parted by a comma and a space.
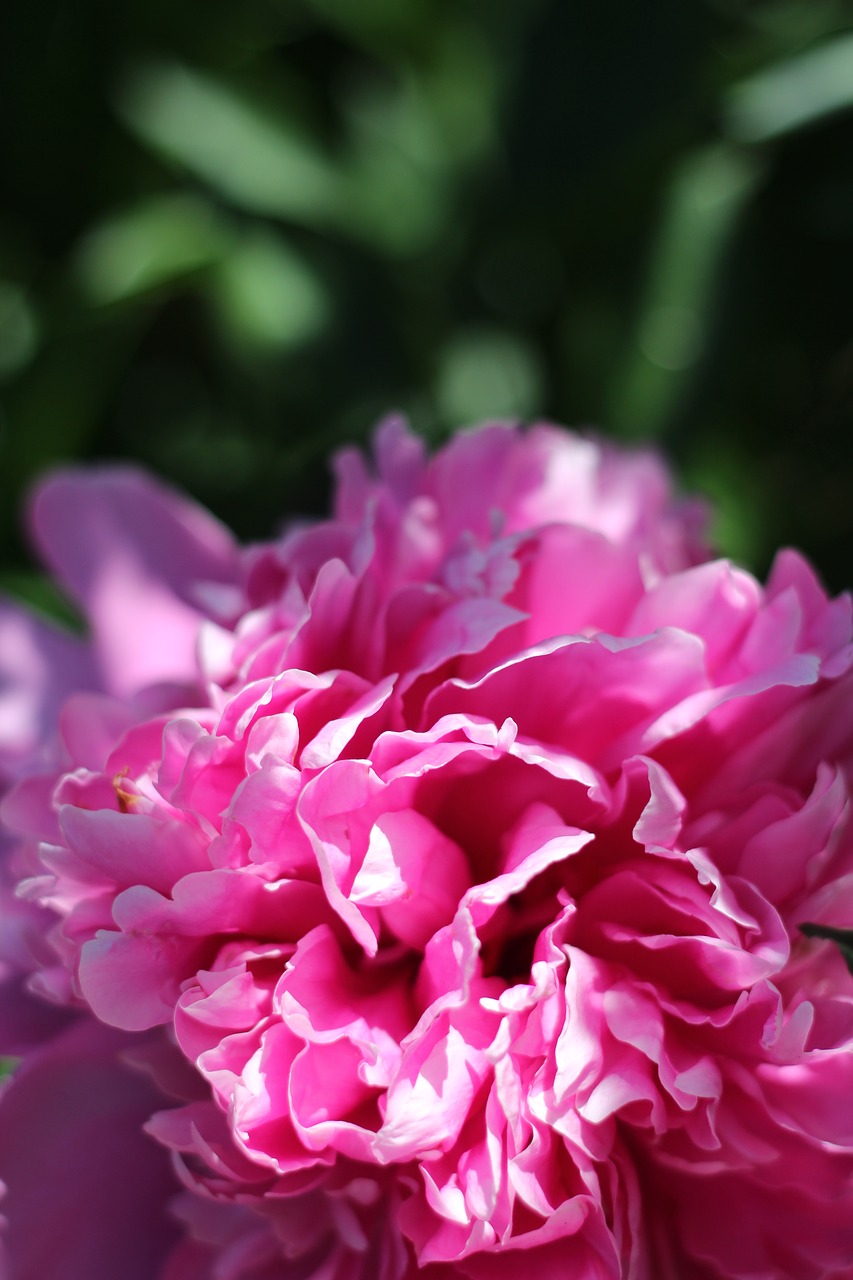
446, 888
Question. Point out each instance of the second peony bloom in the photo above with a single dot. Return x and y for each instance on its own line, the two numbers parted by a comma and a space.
421, 893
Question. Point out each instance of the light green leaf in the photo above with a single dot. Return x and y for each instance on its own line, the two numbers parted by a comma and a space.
18, 329
792, 94
256, 161
706, 196
39, 593
487, 372
149, 245
266, 295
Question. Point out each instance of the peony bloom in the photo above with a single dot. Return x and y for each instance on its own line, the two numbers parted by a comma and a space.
423, 892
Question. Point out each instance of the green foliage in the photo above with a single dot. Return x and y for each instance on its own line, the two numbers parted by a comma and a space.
232, 236
843, 939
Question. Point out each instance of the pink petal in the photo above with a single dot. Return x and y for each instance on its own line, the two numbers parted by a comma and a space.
86, 1191
132, 553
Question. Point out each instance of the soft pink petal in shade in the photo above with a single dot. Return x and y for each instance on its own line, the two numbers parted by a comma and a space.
70, 1120
25, 1022
138, 558
40, 666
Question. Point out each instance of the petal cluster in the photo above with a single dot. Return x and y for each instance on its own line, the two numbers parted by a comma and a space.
426, 887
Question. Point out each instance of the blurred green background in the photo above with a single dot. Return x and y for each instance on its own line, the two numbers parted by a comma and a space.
232, 236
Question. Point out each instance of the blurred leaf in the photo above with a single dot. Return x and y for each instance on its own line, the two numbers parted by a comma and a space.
790, 25
154, 243
462, 84
53, 409
488, 373
7, 1066
843, 939
722, 470
382, 26
703, 203
18, 329
792, 94
396, 183
410, 135
266, 295
259, 163
522, 275
381, 191
40, 593
504, 212
211, 455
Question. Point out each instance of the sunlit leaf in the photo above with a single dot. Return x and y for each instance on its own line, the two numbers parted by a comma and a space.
257, 161
488, 373
266, 294
792, 94
149, 245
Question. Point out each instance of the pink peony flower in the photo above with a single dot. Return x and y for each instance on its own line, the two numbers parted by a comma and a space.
431, 885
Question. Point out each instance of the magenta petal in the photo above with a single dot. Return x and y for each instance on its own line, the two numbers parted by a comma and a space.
414, 873
124, 848
456, 856
133, 982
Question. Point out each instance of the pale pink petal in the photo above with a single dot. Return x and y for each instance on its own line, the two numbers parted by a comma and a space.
136, 556
40, 666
